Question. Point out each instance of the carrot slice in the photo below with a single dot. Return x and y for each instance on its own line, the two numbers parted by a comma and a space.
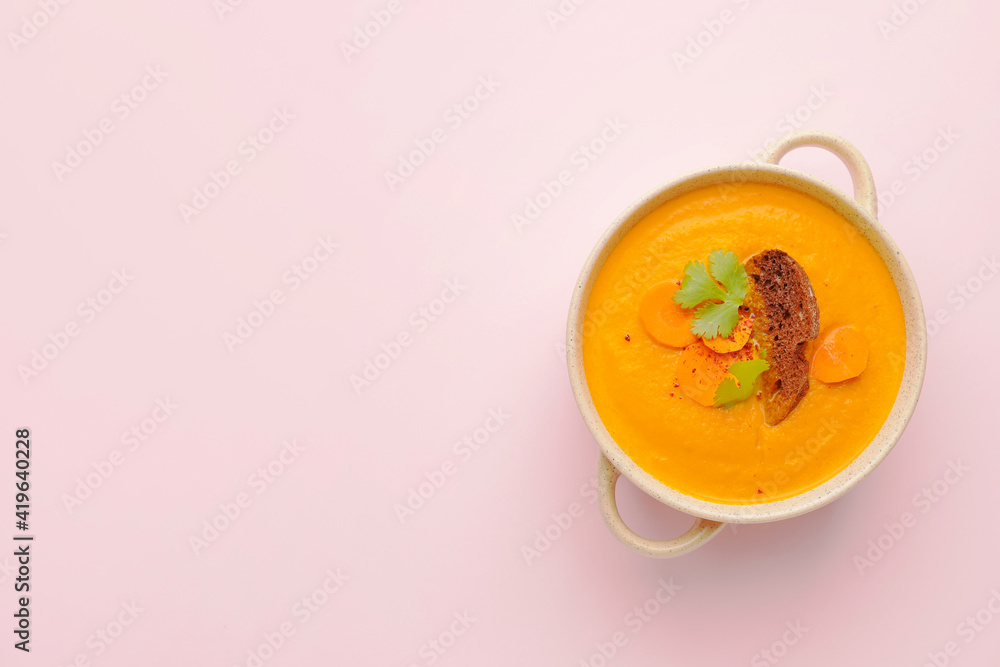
739, 337
701, 370
842, 354
666, 322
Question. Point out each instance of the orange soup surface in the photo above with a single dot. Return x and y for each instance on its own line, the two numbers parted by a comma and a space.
731, 456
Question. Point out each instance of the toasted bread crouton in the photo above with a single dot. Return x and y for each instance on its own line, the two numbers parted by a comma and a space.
786, 317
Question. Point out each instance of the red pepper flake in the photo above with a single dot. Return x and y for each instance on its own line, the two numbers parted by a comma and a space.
627, 337
759, 491
671, 394
675, 384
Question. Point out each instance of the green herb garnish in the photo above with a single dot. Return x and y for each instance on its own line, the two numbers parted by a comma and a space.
733, 391
717, 291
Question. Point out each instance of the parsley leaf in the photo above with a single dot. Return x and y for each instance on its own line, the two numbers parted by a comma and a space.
698, 286
746, 373
717, 291
714, 318
727, 269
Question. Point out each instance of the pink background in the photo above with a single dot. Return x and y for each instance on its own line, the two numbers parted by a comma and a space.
496, 346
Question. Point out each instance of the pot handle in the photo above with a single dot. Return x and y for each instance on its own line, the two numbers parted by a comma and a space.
861, 174
701, 532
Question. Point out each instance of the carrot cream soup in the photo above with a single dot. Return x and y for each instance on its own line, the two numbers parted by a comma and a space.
692, 408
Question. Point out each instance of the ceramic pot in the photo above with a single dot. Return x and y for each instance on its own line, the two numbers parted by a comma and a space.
710, 517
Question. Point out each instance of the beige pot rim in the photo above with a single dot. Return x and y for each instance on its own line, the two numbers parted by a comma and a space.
860, 211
